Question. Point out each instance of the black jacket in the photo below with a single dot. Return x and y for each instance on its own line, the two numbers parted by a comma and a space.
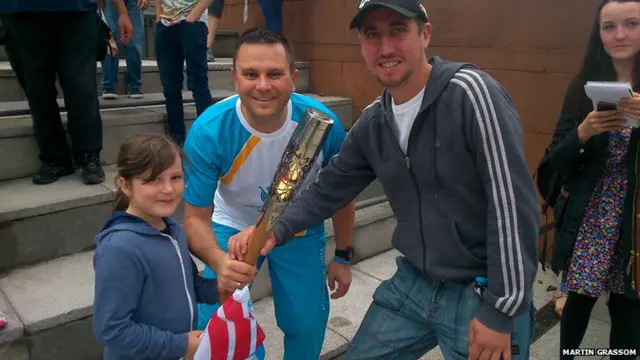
579, 167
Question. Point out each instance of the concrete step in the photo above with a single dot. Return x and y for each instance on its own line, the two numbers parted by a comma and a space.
49, 304
219, 78
121, 119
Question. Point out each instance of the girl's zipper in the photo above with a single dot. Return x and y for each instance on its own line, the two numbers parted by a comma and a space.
184, 278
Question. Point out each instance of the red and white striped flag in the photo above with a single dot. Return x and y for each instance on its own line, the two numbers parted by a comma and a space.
233, 332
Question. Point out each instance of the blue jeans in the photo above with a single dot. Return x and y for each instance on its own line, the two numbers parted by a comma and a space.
176, 44
300, 296
133, 50
272, 12
411, 314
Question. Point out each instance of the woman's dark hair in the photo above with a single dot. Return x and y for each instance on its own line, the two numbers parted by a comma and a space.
148, 154
596, 66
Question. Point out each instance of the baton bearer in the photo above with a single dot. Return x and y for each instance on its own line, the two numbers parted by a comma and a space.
298, 157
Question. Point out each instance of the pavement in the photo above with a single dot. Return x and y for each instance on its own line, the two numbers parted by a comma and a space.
347, 313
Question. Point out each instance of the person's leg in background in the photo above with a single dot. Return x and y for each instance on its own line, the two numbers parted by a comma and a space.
575, 319
560, 295
272, 12
169, 54
36, 37
193, 37
213, 19
625, 323
11, 49
300, 295
133, 53
110, 64
76, 64
396, 325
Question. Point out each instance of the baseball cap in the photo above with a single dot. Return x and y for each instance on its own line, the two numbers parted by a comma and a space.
408, 8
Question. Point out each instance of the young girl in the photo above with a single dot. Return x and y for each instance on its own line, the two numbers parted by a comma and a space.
146, 284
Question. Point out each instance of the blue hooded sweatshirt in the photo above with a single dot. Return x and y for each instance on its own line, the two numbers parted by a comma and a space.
146, 290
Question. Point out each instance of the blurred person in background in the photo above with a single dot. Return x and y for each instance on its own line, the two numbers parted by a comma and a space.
213, 19
133, 51
60, 38
596, 154
181, 35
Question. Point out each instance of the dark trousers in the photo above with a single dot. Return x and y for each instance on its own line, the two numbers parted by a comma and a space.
272, 12
15, 58
64, 44
10, 47
176, 44
625, 322
216, 7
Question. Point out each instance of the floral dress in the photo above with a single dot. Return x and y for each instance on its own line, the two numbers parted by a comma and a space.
596, 264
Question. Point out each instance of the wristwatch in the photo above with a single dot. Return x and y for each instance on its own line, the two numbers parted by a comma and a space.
344, 256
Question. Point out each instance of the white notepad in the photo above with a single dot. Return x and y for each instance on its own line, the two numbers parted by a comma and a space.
610, 92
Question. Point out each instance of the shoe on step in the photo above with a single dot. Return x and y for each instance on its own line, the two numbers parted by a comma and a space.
109, 95
51, 173
92, 172
136, 94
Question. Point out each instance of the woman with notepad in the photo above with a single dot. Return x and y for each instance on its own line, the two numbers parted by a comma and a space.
597, 154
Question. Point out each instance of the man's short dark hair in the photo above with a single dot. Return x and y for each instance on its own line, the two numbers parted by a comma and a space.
263, 36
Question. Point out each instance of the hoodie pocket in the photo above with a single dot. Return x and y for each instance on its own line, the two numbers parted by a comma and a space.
407, 238
447, 255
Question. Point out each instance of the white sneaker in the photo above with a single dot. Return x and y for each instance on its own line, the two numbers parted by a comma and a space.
136, 95
107, 95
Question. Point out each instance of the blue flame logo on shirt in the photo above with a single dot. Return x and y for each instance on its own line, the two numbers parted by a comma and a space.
263, 194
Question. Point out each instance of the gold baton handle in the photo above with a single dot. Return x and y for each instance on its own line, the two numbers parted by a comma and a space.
257, 239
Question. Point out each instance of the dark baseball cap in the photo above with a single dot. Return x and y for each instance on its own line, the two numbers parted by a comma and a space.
408, 8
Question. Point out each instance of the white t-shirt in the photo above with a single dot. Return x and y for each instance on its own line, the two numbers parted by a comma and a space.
176, 11
404, 116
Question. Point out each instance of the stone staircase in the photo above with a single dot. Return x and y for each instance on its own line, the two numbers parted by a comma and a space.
46, 232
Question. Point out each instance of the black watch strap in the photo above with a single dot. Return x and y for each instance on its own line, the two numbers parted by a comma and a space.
346, 255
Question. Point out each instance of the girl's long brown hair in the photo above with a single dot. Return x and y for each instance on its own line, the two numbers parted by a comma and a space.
145, 155
597, 65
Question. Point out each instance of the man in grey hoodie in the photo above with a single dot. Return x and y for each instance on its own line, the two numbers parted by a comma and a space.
445, 141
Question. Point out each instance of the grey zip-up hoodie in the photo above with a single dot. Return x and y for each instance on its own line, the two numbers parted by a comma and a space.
146, 291
463, 197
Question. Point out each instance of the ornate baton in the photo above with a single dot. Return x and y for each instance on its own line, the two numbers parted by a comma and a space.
298, 157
